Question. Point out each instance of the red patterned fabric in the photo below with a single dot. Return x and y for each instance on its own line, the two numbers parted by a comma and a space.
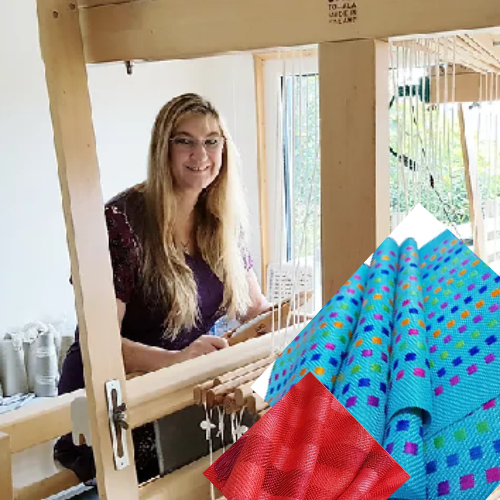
307, 447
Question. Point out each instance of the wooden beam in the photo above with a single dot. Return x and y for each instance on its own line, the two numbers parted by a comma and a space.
262, 169
6, 482
170, 29
40, 422
160, 393
150, 396
354, 113
62, 52
469, 87
187, 483
473, 194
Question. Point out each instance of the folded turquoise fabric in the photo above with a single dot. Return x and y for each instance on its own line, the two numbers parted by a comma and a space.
410, 346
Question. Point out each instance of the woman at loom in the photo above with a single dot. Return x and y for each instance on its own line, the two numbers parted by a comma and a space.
179, 260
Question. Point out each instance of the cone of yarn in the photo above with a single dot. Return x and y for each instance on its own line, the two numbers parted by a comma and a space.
14, 376
47, 372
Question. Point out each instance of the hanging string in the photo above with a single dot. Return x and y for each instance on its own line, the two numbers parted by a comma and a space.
425, 115
394, 91
476, 194
495, 174
317, 218
487, 201
284, 101
207, 426
307, 212
448, 111
241, 429
413, 124
405, 172
431, 139
234, 433
440, 132
432, 130
291, 178
453, 112
220, 433
416, 115
278, 222
306, 169
400, 172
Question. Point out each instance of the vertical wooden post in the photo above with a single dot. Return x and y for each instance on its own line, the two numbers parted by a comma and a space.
6, 485
473, 194
70, 107
354, 112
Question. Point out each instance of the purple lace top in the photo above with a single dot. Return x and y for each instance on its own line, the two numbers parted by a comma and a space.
142, 322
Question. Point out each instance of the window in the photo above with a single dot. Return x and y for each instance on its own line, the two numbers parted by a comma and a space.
301, 165
293, 167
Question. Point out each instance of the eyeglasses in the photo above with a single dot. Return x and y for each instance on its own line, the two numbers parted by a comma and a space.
186, 143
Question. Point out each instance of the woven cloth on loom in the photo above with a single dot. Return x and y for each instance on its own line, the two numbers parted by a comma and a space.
307, 447
411, 347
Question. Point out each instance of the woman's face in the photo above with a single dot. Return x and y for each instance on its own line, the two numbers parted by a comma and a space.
196, 147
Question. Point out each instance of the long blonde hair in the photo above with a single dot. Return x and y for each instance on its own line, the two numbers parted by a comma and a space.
221, 220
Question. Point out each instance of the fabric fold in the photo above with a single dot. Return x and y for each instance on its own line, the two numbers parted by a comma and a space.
320, 348
307, 447
461, 298
424, 357
363, 380
410, 396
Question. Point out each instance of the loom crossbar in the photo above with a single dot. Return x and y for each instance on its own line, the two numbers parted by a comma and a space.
163, 29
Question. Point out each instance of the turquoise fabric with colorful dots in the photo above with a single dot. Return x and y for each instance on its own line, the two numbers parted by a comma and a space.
410, 345
321, 347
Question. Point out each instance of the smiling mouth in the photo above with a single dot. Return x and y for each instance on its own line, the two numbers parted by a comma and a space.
198, 169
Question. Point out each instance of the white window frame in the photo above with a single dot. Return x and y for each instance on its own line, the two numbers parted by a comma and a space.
274, 70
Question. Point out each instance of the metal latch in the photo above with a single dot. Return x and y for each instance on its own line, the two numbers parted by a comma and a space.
117, 412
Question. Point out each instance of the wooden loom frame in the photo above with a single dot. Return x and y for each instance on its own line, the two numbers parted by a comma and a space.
353, 65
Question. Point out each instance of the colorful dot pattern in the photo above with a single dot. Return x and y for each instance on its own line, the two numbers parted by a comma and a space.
409, 404
314, 350
363, 380
416, 364
462, 461
462, 317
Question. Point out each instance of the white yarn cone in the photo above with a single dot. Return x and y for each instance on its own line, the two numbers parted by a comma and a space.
14, 376
47, 372
31, 334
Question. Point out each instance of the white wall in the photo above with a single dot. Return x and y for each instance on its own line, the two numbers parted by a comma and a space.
34, 263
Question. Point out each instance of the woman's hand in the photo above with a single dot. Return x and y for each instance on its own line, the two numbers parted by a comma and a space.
202, 345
